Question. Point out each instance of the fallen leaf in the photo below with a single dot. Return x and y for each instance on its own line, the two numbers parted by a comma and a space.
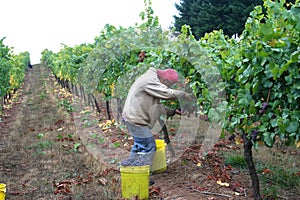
172, 129
155, 190
223, 183
236, 187
85, 111
266, 171
102, 181
199, 165
237, 140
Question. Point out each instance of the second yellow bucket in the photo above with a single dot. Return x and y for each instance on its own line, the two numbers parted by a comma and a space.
135, 181
160, 161
2, 191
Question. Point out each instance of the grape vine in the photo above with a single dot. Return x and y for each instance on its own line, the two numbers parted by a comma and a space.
12, 71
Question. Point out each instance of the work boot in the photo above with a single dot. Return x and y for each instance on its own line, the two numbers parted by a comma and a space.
151, 182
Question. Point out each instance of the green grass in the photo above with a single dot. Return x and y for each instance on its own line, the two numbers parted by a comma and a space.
45, 144
40, 147
275, 173
43, 95
66, 104
235, 160
89, 123
277, 179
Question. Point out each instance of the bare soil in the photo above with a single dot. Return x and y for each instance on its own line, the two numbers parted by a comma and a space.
50, 149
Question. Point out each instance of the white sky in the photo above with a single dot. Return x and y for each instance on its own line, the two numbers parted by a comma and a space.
34, 25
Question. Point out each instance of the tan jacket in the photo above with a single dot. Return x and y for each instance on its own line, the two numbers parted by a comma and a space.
143, 99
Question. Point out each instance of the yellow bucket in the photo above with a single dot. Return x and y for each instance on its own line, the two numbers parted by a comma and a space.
2, 191
160, 161
135, 181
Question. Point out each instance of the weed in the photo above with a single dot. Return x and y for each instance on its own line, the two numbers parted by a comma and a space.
101, 140
117, 144
46, 144
285, 178
60, 136
277, 178
84, 118
270, 192
66, 104
43, 95
94, 135
29, 92
39, 153
89, 123
76, 146
184, 162
235, 160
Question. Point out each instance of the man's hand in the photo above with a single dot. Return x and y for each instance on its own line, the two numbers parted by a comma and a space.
187, 105
179, 112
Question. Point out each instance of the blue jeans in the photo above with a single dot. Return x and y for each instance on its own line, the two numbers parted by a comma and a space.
144, 146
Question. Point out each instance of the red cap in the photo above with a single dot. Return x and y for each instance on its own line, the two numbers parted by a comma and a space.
169, 74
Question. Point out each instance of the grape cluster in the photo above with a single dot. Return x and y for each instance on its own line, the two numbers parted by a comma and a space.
264, 107
232, 137
134, 162
254, 135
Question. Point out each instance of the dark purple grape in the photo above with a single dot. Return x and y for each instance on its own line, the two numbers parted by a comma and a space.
128, 162
273, 116
231, 138
134, 162
264, 105
254, 135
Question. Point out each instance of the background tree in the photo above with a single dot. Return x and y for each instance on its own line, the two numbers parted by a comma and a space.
208, 15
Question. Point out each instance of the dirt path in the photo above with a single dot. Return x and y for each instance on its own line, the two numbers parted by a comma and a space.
40, 152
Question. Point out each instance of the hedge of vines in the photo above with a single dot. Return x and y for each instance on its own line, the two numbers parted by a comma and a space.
12, 71
252, 80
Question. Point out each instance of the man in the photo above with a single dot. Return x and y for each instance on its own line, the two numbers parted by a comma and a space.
142, 108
